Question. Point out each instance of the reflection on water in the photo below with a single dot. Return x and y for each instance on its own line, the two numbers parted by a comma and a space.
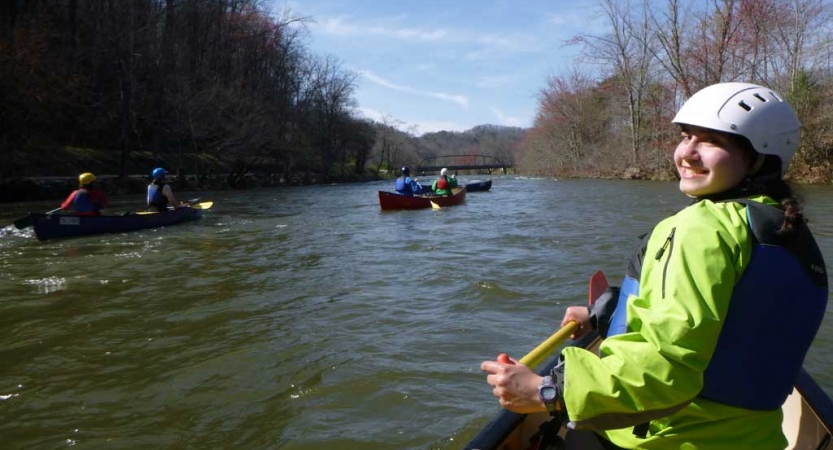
47, 285
305, 318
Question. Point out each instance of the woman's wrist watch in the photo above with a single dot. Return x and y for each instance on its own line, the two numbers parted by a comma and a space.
548, 392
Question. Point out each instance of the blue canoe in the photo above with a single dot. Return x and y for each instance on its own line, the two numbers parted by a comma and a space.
479, 186
52, 226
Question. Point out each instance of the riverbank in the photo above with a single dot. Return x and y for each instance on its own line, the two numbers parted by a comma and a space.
58, 187
50, 172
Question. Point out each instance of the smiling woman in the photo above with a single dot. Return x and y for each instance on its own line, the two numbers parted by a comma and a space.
703, 296
710, 161
755, 135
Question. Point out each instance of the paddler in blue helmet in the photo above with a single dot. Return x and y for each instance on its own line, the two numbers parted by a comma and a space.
405, 185
719, 306
160, 196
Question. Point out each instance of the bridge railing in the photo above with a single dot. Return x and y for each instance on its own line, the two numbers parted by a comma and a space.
461, 162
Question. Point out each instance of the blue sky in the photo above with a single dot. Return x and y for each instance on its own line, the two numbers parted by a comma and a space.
445, 64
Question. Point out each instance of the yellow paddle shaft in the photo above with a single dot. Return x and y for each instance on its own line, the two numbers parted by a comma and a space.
540, 353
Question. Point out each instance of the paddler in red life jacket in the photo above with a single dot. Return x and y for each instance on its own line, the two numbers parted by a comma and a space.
444, 183
160, 195
86, 200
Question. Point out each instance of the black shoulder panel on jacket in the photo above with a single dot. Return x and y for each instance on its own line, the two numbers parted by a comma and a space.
766, 222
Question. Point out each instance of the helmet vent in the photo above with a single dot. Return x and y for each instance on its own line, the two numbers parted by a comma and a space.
743, 105
760, 97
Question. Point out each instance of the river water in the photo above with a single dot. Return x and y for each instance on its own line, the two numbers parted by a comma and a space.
305, 317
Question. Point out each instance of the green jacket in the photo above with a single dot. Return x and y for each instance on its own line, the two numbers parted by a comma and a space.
452, 183
654, 372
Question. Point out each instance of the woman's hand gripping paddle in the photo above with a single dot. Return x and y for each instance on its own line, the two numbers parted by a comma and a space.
598, 286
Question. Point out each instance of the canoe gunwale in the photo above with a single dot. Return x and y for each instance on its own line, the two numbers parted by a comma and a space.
818, 401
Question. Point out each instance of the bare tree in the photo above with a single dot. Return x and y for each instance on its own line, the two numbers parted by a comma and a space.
627, 51
671, 33
390, 143
572, 117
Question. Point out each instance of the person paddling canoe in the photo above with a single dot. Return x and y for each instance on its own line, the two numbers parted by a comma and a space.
720, 304
160, 195
86, 200
405, 185
444, 183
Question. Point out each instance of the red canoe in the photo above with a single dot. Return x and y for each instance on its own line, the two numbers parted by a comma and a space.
392, 200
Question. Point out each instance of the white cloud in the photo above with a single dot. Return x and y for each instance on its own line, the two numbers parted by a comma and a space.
495, 81
459, 99
383, 82
339, 26
371, 113
433, 127
417, 128
560, 19
390, 28
577, 20
509, 120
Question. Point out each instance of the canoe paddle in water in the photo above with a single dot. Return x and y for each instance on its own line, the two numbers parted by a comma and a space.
195, 203
427, 192
598, 286
182, 203
26, 221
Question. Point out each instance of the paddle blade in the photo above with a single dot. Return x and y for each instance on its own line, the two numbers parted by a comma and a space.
434, 205
23, 222
598, 286
203, 205
28, 220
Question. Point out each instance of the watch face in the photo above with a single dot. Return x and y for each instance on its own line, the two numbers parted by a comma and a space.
548, 393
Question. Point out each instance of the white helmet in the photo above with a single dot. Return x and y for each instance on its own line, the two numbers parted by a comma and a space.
444, 172
757, 113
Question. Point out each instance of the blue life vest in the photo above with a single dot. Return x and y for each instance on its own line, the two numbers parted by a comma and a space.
155, 197
83, 202
759, 354
403, 186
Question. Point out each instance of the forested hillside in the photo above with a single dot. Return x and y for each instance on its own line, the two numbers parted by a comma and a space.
395, 148
204, 87
226, 90
610, 115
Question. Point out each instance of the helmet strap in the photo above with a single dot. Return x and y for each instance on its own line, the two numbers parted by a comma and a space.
759, 162
763, 173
